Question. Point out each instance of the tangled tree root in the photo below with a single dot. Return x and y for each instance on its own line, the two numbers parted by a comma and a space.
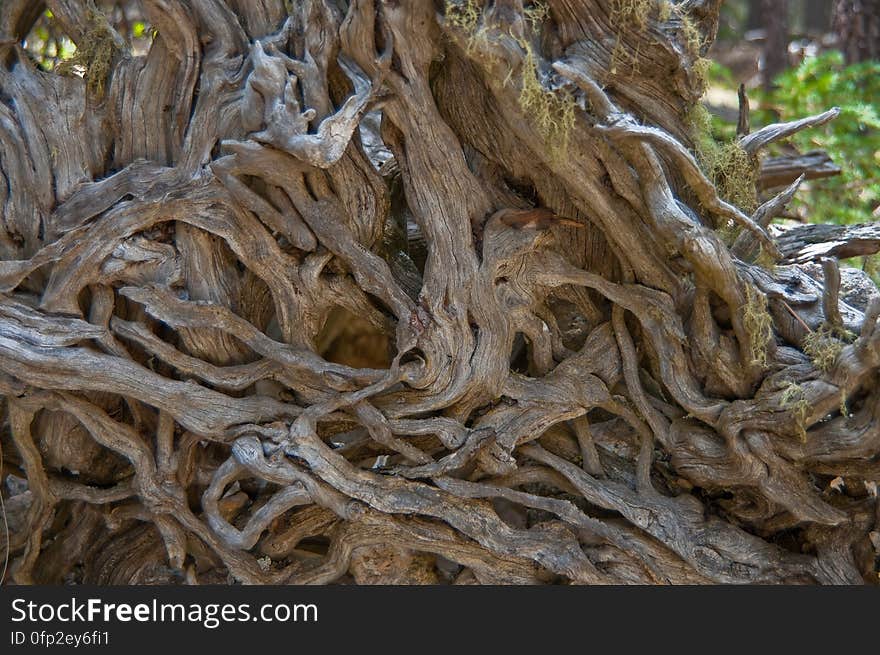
318, 301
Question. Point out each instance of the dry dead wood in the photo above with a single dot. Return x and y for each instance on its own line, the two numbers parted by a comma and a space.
262, 320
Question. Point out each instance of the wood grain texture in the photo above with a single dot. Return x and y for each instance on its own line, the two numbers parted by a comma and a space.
415, 293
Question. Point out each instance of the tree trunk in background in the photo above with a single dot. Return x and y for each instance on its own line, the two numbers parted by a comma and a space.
817, 16
755, 17
857, 25
776, 21
414, 292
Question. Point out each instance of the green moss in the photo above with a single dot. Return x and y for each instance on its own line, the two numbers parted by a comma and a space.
664, 10
551, 111
794, 399
821, 351
94, 56
699, 124
728, 232
628, 15
825, 344
634, 12
699, 120
735, 173
765, 260
693, 38
732, 170
700, 69
758, 324
622, 57
536, 12
464, 14
467, 15
871, 265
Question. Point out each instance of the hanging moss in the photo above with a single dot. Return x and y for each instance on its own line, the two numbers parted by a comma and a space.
94, 55
728, 233
693, 38
794, 399
551, 111
664, 10
732, 170
822, 351
699, 124
536, 13
825, 344
463, 14
700, 70
735, 173
635, 12
765, 260
628, 14
758, 323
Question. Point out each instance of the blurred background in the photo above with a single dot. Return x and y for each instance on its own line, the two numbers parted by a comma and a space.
801, 57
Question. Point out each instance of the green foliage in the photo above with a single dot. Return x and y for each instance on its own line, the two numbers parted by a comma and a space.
852, 140
732, 20
139, 29
48, 45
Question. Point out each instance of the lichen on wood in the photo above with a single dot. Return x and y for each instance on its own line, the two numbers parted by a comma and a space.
94, 55
399, 292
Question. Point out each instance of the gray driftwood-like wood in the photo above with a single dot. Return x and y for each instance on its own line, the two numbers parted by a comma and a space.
810, 242
613, 395
785, 169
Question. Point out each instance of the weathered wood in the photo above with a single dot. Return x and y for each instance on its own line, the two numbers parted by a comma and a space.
802, 243
783, 170
577, 378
